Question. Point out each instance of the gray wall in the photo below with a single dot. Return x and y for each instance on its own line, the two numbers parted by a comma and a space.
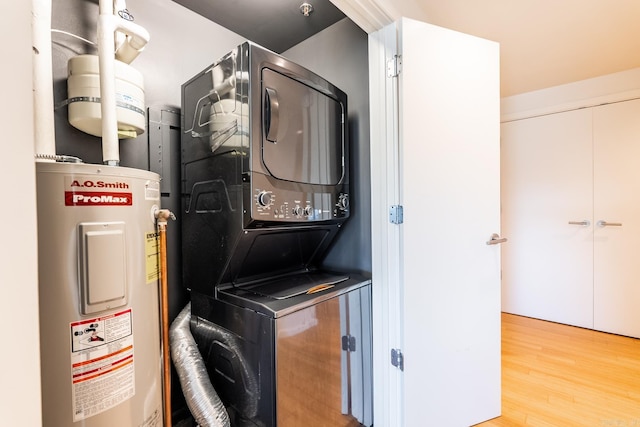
340, 55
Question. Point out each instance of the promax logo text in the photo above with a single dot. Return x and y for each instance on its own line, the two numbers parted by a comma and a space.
96, 198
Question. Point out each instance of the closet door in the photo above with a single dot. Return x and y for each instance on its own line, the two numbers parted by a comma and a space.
449, 183
617, 201
436, 295
547, 215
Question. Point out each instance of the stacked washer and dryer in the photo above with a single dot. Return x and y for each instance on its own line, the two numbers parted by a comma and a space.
265, 179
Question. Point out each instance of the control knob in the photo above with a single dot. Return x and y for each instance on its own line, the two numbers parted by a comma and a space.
297, 211
343, 202
264, 199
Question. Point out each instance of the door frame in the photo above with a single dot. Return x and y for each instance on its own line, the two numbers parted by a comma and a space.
386, 263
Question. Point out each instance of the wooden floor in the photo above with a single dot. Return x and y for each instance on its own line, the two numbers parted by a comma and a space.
555, 375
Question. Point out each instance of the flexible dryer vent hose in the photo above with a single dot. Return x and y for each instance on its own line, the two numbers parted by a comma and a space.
202, 400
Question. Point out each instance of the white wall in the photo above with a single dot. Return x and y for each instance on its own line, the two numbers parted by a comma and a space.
20, 354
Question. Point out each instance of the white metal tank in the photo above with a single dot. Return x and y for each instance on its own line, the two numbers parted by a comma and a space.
83, 89
99, 308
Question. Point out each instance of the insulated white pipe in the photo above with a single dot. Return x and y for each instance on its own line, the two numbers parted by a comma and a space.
120, 38
44, 128
137, 39
108, 24
134, 44
106, 58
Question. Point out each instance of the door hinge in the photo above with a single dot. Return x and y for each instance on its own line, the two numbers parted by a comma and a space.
394, 66
348, 343
396, 214
397, 358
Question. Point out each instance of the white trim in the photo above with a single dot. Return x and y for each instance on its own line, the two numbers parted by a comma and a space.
387, 380
621, 86
369, 15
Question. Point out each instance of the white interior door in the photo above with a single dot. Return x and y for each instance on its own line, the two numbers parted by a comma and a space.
547, 168
616, 134
449, 180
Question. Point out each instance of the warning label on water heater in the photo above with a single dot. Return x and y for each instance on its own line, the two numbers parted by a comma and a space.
151, 252
102, 371
89, 191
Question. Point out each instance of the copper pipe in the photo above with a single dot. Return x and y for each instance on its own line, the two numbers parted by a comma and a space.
162, 215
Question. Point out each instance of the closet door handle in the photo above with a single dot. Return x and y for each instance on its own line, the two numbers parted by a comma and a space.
584, 223
496, 239
603, 223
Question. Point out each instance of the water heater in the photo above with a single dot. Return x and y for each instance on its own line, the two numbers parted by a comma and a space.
99, 317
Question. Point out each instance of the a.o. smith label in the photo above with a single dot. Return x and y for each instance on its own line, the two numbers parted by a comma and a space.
91, 191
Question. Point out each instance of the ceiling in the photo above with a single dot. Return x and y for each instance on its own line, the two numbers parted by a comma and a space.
274, 24
543, 43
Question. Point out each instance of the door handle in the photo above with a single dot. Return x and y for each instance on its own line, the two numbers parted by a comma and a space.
584, 223
496, 239
603, 223
271, 114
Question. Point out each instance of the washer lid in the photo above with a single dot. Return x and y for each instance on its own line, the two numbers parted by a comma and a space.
298, 284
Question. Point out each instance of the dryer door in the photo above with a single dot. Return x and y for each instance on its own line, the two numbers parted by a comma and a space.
303, 133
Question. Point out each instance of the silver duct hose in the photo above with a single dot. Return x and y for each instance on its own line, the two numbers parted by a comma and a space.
246, 402
202, 400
